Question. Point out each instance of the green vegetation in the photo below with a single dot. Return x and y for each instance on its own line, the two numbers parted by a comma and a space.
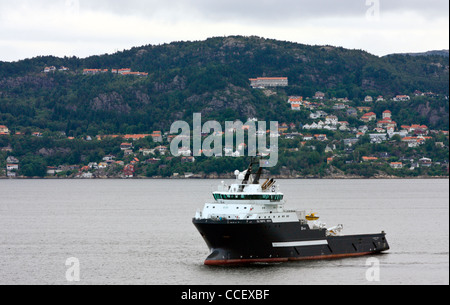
212, 77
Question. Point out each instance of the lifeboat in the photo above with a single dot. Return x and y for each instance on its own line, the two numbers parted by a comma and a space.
312, 217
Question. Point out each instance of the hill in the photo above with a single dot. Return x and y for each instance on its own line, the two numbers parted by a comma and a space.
444, 53
55, 111
203, 76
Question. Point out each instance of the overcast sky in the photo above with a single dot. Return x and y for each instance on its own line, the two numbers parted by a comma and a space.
82, 28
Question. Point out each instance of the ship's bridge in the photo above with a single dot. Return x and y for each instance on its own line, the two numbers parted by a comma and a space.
247, 192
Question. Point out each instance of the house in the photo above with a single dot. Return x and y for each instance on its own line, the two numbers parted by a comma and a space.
364, 109
387, 115
295, 107
264, 82
283, 128
93, 165
109, 158
378, 137
12, 160
369, 159
387, 123
135, 137
319, 95
153, 161
12, 167
128, 171
351, 141
157, 136
426, 162
126, 146
146, 151
396, 165
125, 70
4, 130
49, 69
401, 98
352, 111
321, 137
331, 119
7, 148
52, 170
184, 151
318, 115
417, 129
413, 141
162, 149
295, 100
187, 160
339, 106
371, 116
368, 99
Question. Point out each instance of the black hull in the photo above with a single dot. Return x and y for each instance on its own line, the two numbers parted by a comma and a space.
241, 242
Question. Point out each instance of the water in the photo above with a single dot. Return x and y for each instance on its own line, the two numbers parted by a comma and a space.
140, 232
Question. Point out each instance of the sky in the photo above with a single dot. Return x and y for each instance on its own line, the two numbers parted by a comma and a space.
82, 28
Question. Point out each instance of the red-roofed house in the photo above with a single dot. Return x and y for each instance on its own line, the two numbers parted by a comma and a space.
368, 159
387, 123
295, 107
126, 146
371, 116
4, 130
396, 165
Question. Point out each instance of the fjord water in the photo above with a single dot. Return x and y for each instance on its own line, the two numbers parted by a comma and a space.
141, 232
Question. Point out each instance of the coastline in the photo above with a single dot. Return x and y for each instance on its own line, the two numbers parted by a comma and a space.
228, 177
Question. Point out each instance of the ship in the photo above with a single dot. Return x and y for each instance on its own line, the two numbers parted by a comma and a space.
247, 223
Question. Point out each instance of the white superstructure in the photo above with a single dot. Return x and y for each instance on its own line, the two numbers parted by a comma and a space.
249, 200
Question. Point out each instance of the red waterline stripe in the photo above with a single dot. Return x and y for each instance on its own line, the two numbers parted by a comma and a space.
282, 260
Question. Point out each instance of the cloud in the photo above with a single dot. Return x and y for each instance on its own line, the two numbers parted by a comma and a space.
267, 10
83, 28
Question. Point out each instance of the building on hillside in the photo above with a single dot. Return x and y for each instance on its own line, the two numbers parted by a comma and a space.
396, 165
49, 69
264, 82
128, 171
369, 159
401, 98
295, 100
368, 99
371, 116
126, 146
319, 95
296, 107
4, 130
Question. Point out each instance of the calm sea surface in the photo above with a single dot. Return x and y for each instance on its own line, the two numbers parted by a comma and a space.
140, 232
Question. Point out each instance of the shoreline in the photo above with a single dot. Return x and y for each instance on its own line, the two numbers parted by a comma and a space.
232, 178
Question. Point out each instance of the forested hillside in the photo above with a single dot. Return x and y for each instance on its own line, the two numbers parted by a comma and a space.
209, 76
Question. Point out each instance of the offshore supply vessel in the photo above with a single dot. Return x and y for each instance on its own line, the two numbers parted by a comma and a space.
247, 223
